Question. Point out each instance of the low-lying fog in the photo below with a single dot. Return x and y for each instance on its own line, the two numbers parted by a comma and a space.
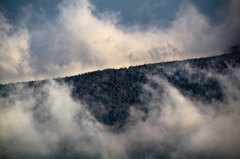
56, 126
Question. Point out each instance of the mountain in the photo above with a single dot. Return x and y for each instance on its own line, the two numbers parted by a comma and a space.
178, 109
110, 93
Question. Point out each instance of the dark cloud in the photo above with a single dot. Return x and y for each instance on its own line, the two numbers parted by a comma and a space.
14, 9
159, 13
141, 12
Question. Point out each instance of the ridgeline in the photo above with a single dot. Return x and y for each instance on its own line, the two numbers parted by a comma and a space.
110, 93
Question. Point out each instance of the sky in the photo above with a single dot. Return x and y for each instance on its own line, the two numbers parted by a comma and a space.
45, 39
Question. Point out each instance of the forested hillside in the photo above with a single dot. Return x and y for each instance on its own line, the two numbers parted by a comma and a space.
109, 94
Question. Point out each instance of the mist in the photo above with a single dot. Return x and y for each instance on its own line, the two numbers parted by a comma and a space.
48, 123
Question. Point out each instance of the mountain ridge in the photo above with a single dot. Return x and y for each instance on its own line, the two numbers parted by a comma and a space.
111, 92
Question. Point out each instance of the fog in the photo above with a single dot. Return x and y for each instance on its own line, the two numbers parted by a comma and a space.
50, 124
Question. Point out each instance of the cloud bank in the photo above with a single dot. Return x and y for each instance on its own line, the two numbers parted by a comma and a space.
78, 41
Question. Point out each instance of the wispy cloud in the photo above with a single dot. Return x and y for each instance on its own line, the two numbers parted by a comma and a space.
77, 41
14, 52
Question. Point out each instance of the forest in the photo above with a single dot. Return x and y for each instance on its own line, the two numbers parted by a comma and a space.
110, 93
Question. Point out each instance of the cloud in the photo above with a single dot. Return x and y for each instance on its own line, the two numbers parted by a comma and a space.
78, 41
35, 126
186, 129
14, 52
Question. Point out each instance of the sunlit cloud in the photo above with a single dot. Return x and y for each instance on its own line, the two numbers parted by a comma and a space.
78, 41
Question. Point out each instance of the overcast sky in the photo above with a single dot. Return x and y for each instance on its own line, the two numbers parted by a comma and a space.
44, 39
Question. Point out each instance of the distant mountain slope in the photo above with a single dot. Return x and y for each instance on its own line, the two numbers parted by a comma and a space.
110, 93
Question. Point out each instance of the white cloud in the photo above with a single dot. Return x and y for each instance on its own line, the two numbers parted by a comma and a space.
77, 41
14, 53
